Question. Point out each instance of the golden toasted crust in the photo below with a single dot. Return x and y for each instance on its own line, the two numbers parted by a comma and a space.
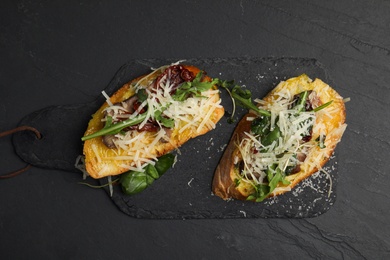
223, 182
102, 161
329, 120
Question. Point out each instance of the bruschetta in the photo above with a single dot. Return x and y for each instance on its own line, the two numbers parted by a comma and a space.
270, 153
149, 117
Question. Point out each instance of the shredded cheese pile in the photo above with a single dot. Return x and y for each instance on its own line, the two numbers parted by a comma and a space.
292, 126
190, 116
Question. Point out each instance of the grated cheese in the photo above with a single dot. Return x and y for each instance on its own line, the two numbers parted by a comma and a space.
96, 152
292, 126
80, 164
107, 98
192, 115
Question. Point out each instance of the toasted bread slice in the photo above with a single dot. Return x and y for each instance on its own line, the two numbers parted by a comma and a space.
229, 181
192, 117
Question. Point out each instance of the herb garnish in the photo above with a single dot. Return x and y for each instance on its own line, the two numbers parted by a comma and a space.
321, 141
241, 96
322, 106
111, 129
193, 88
184, 91
133, 182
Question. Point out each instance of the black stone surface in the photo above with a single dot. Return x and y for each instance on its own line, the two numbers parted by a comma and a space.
54, 53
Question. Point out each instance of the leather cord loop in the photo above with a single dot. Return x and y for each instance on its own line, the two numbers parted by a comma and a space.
12, 131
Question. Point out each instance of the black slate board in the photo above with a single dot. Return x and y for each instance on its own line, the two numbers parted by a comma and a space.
184, 192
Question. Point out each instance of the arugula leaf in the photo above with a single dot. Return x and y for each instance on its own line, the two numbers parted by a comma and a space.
261, 125
275, 180
322, 106
261, 192
193, 88
321, 141
274, 175
237, 182
165, 121
111, 129
242, 97
108, 122
142, 95
302, 100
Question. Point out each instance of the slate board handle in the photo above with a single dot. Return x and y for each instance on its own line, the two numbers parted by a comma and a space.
61, 128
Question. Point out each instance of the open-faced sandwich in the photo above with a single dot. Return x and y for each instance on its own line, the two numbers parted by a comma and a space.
290, 135
148, 118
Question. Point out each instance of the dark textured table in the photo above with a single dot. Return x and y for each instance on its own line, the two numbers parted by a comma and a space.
65, 54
